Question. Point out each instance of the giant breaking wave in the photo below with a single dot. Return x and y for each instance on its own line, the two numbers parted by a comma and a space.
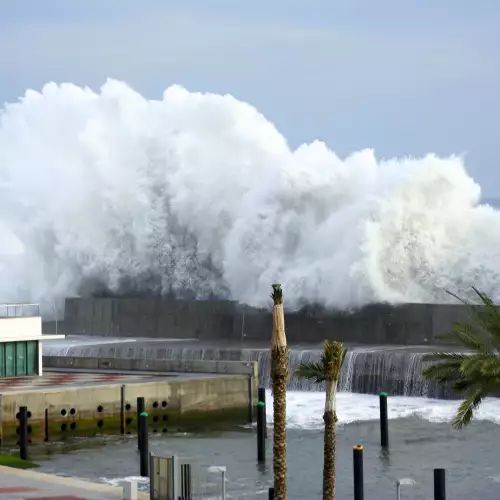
199, 194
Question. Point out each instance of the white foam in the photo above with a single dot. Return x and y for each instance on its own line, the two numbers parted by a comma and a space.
305, 409
61, 347
121, 480
203, 193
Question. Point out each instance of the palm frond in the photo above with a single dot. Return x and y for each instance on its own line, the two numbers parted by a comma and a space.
468, 336
328, 367
443, 372
445, 356
311, 371
480, 365
484, 317
466, 409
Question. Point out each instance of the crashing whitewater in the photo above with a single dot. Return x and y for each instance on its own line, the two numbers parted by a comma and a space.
199, 195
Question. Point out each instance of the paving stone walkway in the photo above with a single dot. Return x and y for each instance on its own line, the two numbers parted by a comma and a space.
30, 485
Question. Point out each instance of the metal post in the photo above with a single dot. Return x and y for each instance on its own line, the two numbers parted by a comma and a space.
384, 421
439, 484
223, 479
357, 453
144, 450
23, 433
175, 477
122, 410
46, 425
271, 494
262, 397
140, 409
152, 473
261, 432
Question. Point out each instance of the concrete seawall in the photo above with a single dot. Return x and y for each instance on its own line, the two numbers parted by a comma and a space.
174, 401
407, 324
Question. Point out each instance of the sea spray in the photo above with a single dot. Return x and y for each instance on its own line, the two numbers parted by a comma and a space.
199, 195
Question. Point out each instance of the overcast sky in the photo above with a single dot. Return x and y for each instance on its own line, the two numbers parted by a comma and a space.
403, 77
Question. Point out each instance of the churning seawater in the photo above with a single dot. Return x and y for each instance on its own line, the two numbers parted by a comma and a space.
421, 439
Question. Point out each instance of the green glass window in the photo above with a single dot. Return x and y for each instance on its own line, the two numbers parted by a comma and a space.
2, 360
10, 359
32, 357
21, 358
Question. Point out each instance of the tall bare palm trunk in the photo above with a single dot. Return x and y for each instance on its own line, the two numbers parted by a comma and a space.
279, 377
330, 419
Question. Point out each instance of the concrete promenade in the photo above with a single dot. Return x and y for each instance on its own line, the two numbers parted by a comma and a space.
18, 484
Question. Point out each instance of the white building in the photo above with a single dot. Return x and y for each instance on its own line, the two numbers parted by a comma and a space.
21, 340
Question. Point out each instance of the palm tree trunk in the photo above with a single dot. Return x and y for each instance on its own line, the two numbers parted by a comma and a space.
279, 377
330, 419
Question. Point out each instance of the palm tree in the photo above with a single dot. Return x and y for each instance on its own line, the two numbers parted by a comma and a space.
474, 374
327, 370
279, 378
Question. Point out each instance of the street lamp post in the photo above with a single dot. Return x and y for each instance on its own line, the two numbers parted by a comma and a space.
222, 470
406, 481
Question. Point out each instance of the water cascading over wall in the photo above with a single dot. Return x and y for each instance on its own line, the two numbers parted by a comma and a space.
365, 371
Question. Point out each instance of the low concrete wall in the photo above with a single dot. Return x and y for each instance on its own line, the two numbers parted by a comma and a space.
410, 324
153, 365
173, 405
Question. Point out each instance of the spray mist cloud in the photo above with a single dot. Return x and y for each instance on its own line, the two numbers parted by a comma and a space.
200, 194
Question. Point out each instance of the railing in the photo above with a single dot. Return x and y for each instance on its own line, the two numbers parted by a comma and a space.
19, 310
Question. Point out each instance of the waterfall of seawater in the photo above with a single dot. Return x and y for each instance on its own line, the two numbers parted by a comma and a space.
395, 371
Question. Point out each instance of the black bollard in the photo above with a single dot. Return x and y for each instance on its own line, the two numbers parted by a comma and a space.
262, 397
23, 433
439, 484
384, 421
123, 426
261, 432
46, 425
357, 461
140, 409
271, 494
144, 450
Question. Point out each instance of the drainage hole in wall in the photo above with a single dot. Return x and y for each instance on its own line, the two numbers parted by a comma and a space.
29, 429
46, 439
165, 418
72, 411
154, 430
155, 404
164, 430
64, 427
18, 430
100, 423
100, 408
28, 414
128, 406
164, 404
72, 426
18, 415
129, 420
63, 412
155, 418
30, 441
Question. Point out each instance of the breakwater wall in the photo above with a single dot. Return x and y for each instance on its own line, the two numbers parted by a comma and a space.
407, 324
